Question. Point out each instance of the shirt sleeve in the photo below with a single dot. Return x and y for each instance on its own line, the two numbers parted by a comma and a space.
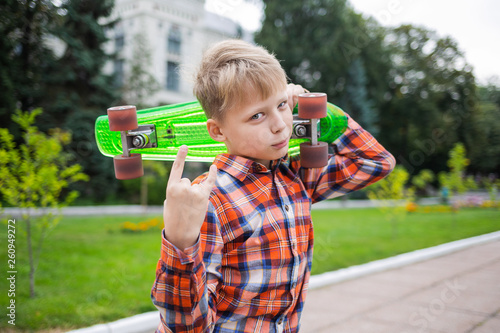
358, 161
186, 281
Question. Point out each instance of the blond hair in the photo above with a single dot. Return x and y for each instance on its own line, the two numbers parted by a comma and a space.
231, 70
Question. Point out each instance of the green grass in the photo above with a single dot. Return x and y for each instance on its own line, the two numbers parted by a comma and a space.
90, 272
350, 237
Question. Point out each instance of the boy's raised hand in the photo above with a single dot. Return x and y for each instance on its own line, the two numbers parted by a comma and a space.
293, 91
186, 204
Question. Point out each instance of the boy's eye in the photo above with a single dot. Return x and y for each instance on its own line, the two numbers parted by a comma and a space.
282, 104
256, 116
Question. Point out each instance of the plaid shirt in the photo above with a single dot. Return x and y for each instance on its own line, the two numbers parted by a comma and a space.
250, 268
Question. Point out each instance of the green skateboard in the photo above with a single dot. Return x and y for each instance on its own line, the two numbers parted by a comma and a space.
129, 136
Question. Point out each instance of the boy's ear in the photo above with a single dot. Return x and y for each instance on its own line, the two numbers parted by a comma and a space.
215, 130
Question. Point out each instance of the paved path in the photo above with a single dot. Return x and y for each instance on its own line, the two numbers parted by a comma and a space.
141, 210
455, 293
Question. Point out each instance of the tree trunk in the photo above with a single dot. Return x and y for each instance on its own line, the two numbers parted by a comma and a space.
144, 192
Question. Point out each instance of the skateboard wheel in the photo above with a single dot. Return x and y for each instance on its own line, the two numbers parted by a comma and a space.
122, 118
312, 105
128, 167
313, 156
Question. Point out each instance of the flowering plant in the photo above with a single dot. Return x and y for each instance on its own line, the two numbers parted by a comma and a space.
154, 223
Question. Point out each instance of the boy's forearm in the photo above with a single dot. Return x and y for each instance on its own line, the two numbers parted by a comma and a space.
186, 281
357, 143
180, 287
358, 161
362, 159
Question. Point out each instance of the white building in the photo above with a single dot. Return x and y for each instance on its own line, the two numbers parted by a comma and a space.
177, 32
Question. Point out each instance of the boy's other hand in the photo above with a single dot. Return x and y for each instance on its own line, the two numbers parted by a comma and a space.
186, 204
293, 91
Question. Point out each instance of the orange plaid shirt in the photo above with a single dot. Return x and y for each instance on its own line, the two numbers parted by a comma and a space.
250, 268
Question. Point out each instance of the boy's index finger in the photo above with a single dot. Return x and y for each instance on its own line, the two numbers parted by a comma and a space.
178, 166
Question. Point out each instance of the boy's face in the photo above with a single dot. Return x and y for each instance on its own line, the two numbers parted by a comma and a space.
259, 130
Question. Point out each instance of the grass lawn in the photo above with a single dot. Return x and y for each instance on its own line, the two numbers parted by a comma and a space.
90, 272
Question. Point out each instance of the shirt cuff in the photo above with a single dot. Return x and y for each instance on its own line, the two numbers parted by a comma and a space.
177, 259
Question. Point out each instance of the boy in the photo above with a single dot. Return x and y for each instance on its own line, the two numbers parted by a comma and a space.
237, 243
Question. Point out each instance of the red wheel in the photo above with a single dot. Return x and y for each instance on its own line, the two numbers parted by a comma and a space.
312, 105
313, 156
128, 167
122, 118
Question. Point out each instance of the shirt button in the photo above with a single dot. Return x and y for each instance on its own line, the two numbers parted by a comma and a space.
280, 321
287, 208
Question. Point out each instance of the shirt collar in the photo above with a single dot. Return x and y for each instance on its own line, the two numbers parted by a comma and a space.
240, 167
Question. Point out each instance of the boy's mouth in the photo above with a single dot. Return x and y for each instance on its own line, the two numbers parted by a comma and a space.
281, 144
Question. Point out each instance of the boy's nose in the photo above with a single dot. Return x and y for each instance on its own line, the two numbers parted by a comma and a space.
278, 123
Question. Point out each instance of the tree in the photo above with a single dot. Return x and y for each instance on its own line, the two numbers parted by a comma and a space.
77, 79
421, 182
78, 90
34, 176
326, 46
485, 155
23, 55
456, 180
356, 99
389, 193
431, 100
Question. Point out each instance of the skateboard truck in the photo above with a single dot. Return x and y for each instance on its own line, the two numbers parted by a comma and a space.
306, 129
312, 107
133, 136
143, 136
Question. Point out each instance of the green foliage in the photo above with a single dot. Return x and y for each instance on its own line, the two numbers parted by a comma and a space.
325, 46
492, 186
23, 55
390, 193
153, 171
356, 98
431, 98
68, 84
34, 175
407, 85
392, 187
485, 155
77, 90
76, 79
421, 183
424, 178
456, 180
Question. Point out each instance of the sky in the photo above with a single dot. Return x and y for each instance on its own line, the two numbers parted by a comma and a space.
475, 25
